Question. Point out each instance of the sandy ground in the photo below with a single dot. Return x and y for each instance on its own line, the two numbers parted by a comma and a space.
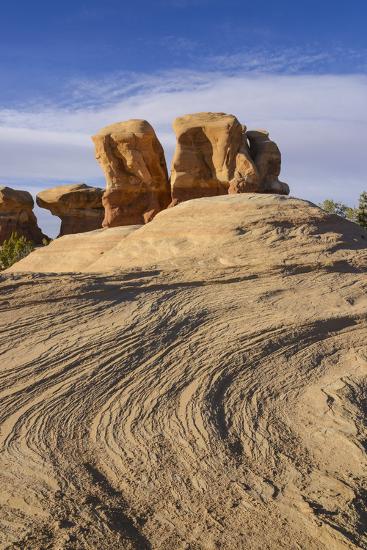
214, 398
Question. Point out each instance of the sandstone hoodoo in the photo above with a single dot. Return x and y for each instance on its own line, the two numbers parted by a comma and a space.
215, 155
267, 158
205, 156
134, 165
17, 216
79, 207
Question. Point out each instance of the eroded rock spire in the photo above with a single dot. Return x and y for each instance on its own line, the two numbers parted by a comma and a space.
133, 162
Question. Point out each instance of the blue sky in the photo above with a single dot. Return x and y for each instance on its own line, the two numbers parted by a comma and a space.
297, 68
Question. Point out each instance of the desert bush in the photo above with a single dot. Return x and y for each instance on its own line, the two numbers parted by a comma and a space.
14, 249
362, 210
356, 215
339, 209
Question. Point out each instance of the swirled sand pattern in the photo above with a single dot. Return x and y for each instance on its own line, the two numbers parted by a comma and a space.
190, 405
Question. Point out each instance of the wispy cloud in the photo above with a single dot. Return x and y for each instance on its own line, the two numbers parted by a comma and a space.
106, 90
293, 61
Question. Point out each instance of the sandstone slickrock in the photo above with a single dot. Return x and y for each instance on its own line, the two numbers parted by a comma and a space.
224, 231
213, 157
78, 205
209, 393
17, 216
79, 251
133, 162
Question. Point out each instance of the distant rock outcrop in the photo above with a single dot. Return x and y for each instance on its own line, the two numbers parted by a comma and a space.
16, 216
78, 205
133, 162
215, 155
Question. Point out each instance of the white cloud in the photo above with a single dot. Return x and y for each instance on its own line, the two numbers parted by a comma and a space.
318, 121
34, 154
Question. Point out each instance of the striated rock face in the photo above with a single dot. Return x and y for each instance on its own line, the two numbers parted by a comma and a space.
16, 215
215, 155
78, 205
133, 162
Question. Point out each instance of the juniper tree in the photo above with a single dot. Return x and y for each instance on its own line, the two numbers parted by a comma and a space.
339, 209
14, 249
362, 210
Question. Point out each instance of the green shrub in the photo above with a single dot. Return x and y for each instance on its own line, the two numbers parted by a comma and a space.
362, 210
14, 249
339, 209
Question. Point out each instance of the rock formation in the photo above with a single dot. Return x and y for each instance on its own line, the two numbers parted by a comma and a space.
205, 156
245, 177
267, 158
215, 155
16, 215
133, 162
78, 205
